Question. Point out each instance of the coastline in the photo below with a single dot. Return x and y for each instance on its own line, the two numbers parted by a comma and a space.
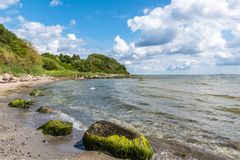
20, 142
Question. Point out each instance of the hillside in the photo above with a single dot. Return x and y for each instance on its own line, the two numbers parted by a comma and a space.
17, 56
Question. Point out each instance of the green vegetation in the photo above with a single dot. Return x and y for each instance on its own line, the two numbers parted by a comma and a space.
118, 141
36, 92
17, 56
57, 128
121, 147
20, 103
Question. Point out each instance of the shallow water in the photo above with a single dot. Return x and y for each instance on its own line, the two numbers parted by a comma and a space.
198, 110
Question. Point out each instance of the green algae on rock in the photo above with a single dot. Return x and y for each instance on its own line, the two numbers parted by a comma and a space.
118, 141
36, 92
45, 110
56, 128
20, 103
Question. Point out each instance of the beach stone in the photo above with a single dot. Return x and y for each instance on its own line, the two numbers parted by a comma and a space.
36, 92
56, 128
45, 110
117, 141
235, 145
25, 78
20, 103
7, 77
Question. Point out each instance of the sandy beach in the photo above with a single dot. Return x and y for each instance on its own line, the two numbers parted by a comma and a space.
20, 142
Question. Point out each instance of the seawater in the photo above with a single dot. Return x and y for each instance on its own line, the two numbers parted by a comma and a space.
203, 110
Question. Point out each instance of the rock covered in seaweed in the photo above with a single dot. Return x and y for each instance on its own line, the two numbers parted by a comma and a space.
45, 110
118, 141
57, 128
20, 103
36, 92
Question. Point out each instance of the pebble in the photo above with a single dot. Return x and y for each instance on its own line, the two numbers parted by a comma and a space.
23, 143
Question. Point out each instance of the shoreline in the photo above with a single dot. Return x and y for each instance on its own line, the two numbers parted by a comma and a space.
27, 143
20, 142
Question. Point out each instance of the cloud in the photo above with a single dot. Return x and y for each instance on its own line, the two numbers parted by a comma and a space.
48, 38
72, 37
54, 3
121, 46
182, 64
73, 23
156, 37
207, 29
5, 20
4, 4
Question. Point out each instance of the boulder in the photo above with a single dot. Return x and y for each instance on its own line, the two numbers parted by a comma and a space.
45, 110
57, 128
118, 141
36, 92
20, 103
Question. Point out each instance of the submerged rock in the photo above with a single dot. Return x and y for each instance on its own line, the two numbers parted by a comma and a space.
45, 110
36, 92
20, 103
235, 145
118, 141
57, 128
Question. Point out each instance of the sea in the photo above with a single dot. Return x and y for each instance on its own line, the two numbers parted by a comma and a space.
198, 110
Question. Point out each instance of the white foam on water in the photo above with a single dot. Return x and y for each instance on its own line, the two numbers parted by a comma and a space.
76, 124
92, 88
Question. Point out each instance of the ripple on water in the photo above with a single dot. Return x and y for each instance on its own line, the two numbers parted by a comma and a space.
182, 107
222, 96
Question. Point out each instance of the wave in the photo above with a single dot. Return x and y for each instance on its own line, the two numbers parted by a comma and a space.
222, 96
76, 124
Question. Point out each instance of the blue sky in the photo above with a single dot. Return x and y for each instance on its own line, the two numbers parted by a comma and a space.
97, 21
148, 36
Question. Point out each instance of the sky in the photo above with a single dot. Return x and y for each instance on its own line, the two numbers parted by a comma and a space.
147, 36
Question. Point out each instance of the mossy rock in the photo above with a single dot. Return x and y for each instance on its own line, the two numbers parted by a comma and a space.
118, 141
56, 128
20, 103
45, 110
36, 92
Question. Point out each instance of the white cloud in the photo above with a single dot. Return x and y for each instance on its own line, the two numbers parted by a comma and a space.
55, 3
121, 46
72, 36
4, 4
182, 64
194, 28
5, 20
73, 22
48, 38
